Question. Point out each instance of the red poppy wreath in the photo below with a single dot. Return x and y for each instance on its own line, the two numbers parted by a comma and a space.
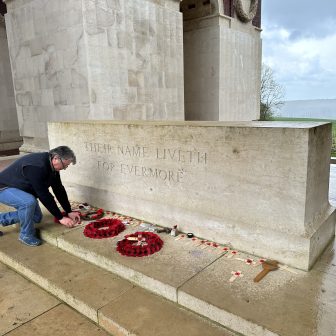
104, 228
139, 244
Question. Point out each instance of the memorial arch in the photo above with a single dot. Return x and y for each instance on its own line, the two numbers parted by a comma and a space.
222, 56
132, 59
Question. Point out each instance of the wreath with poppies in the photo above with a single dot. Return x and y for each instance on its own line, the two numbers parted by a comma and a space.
104, 228
139, 244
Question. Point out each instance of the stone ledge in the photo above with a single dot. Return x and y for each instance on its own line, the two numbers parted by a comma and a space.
113, 303
239, 124
21, 301
202, 286
262, 186
194, 278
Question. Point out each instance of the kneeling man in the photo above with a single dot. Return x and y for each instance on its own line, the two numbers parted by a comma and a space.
28, 179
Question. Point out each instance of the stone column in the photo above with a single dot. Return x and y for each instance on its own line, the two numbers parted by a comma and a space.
9, 128
94, 59
135, 59
222, 60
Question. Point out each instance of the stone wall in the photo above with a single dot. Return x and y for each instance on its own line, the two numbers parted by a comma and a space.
261, 186
135, 59
49, 65
9, 128
123, 60
94, 59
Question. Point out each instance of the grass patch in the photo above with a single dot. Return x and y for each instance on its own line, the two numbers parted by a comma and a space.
333, 122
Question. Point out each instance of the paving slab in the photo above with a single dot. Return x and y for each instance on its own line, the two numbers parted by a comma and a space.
20, 300
50, 231
200, 280
92, 290
283, 303
60, 321
138, 312
162, 272
81, 285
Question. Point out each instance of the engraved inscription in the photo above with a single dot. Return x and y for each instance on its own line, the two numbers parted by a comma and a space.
179, 155
133, 151
162, 174
141, 171
176, 155
98, 147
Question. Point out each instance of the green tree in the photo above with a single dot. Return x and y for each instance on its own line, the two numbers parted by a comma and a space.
271, 94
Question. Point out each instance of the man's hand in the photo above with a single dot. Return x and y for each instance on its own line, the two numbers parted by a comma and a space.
75, 216
67, 222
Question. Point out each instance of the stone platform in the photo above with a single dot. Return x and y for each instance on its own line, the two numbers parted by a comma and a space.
115, 291
26, 309
261, 186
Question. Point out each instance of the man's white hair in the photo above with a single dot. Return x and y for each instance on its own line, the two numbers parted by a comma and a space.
64, 153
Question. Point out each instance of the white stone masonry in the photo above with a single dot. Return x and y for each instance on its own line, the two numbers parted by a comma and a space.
9, 128
94, 59
261, 186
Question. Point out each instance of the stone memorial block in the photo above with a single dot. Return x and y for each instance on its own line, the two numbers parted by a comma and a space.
261, 186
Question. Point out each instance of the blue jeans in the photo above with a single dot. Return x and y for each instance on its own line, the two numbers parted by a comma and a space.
27, 211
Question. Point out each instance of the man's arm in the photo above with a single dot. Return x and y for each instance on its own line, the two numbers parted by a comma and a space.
60, 193
62, 197
38, 180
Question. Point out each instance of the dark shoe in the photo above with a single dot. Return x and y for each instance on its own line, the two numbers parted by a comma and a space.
1, 233
38, 233
30, 240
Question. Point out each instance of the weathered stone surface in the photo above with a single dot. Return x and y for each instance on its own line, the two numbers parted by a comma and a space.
261, 186
280, 291
153, 316
284, 303
59, 321
332, 189
21, 300
97, 293
302, 302
159, 273
226, 54
9, 127
85, 288
87, 60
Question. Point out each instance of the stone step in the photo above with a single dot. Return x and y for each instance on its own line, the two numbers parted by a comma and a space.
115, 304
188, 276
26, 309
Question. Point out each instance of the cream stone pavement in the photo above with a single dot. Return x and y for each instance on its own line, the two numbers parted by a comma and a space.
284, 303
26, 309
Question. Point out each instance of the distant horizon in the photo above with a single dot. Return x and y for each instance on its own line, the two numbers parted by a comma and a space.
308, 108
312, 99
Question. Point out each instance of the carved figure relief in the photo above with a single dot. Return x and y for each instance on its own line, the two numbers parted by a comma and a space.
241, 14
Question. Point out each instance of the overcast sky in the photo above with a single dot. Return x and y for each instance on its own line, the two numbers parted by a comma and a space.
299, 44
